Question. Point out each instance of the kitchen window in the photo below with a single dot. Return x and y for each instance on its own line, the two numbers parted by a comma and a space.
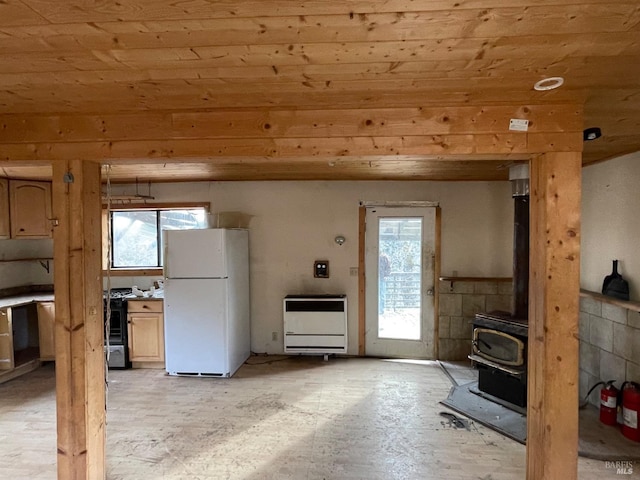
136, 233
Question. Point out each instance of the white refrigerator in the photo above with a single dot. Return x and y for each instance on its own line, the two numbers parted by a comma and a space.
206, 301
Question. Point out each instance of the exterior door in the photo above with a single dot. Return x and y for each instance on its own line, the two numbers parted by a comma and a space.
400, 280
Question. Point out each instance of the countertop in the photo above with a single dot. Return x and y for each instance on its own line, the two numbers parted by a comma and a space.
35, 297
25, 299
144, 299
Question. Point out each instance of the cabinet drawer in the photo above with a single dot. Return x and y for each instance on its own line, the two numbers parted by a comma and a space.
150, 306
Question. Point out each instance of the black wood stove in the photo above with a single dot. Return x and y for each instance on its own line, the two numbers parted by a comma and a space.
499, 343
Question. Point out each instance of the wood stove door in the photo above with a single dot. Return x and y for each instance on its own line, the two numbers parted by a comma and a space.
400, 279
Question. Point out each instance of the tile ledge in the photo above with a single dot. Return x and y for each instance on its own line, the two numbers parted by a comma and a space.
475, 279
629, 305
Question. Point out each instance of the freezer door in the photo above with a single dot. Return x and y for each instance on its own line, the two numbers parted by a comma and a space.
195, 253
195, 321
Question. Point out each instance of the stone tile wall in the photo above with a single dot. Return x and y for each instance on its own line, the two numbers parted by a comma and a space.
609, 345
459, 301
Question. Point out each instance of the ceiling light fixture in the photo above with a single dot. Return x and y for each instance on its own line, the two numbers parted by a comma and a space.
548, 84
591, 134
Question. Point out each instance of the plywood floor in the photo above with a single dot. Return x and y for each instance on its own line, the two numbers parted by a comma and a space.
299, 419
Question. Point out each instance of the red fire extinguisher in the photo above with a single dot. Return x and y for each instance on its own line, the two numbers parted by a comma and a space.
631, 410
609, 404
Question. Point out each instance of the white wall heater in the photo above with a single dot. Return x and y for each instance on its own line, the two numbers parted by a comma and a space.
315, 324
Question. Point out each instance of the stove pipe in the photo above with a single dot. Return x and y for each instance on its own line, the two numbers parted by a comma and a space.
519, 177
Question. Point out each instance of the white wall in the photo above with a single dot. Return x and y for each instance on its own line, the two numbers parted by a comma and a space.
611, 222
295, 223
17, 274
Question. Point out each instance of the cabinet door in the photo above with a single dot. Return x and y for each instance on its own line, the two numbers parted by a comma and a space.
6, 340
46, 330
4, 208
146, 337
30, 204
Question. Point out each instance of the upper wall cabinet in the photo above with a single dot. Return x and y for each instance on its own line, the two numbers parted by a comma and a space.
30, 204
4, 209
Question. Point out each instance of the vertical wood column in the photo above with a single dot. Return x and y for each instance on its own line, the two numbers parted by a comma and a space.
554, 287
79, 337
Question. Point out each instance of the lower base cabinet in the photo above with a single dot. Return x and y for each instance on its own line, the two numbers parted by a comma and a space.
145, 323
26, 338
6, 340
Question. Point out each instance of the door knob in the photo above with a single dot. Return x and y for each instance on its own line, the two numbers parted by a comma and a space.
431, 292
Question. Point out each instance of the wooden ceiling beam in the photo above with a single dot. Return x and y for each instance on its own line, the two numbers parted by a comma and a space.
443, 145
282, 123
291, 134
321, 169
485, 168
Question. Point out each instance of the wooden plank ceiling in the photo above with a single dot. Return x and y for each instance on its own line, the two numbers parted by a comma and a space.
323, 89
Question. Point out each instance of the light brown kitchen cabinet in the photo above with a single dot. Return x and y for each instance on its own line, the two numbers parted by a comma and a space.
6, 340
145, 323
46, 330
5, 226
30, 206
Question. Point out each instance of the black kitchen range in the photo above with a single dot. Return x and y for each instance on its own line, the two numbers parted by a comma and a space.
117, 342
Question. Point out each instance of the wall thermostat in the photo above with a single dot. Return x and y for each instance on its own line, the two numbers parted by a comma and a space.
321, 269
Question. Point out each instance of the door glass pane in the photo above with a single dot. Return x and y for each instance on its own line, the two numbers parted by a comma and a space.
400, 278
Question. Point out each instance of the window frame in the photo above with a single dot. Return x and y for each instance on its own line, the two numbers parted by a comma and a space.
107, 234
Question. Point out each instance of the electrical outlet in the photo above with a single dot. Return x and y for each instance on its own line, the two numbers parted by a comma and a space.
274, 336
353, 271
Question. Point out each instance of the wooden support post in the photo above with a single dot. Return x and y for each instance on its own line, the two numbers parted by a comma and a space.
554, 288
79, 337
